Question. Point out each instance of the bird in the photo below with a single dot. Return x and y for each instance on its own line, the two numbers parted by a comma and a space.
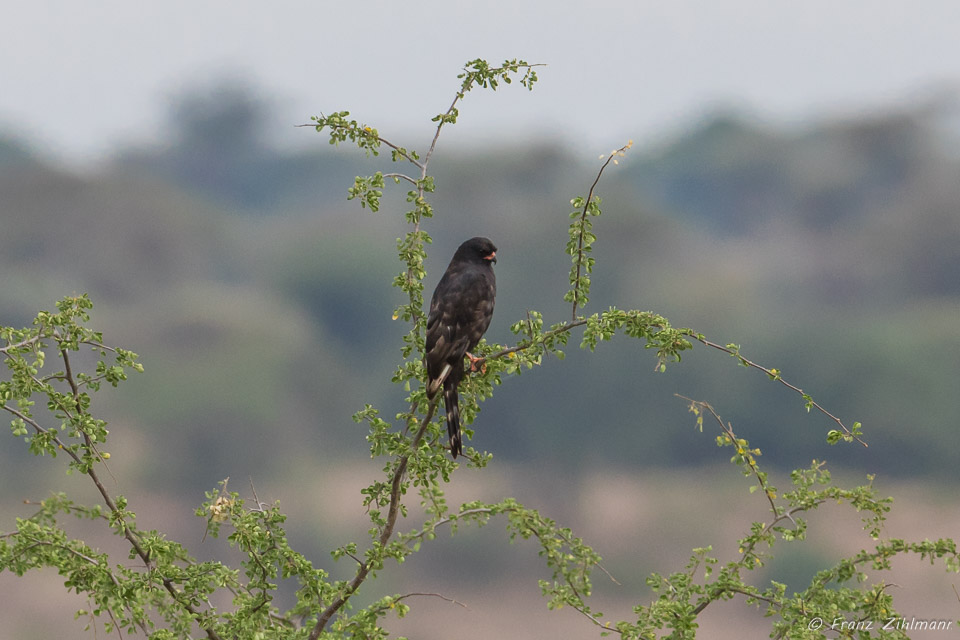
460, 312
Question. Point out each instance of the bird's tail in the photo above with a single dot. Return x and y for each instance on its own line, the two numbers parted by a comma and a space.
452, 402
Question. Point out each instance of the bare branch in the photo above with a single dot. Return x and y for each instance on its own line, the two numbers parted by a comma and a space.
98, 345
442, 121
253, 490
433, 595
775, 375
756, 596
402, 176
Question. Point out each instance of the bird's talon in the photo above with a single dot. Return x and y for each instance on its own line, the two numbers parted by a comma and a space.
473, 363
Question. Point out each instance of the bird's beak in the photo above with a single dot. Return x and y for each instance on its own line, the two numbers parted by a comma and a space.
492, 257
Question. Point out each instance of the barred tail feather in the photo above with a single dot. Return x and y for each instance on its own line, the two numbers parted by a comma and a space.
452, 403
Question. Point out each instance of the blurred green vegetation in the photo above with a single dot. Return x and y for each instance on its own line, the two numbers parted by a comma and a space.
260, 302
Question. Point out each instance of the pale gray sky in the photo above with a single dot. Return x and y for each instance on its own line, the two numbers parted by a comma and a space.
79, 78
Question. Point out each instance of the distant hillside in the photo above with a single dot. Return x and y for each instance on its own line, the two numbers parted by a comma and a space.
260, 299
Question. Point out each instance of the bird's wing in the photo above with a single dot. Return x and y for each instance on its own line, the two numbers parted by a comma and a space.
441, 325
479, 312
460, 313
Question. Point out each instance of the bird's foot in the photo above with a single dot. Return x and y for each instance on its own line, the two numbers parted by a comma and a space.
473, 363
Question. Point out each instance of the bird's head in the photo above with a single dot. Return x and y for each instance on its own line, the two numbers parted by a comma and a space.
477, 250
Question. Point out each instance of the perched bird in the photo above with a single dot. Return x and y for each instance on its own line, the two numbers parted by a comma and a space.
460, 312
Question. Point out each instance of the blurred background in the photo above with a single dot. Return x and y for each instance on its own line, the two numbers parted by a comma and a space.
794, 187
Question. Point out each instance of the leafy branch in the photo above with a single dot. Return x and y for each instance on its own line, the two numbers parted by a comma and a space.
81, 432
682, 597
397, 486
411, 251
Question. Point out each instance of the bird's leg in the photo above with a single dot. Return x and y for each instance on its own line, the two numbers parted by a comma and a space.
473, 363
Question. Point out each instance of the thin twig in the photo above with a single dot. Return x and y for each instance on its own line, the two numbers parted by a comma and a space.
443, 120
47, 543
728, 430
256, 498
36, 427
98, 345
75, 390
776, 376
433, 595
355, 558
118, 627
401, 176
400, 151
583, 217
460, 94
757, 596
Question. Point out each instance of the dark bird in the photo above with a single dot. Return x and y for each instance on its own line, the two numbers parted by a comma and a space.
460, 312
